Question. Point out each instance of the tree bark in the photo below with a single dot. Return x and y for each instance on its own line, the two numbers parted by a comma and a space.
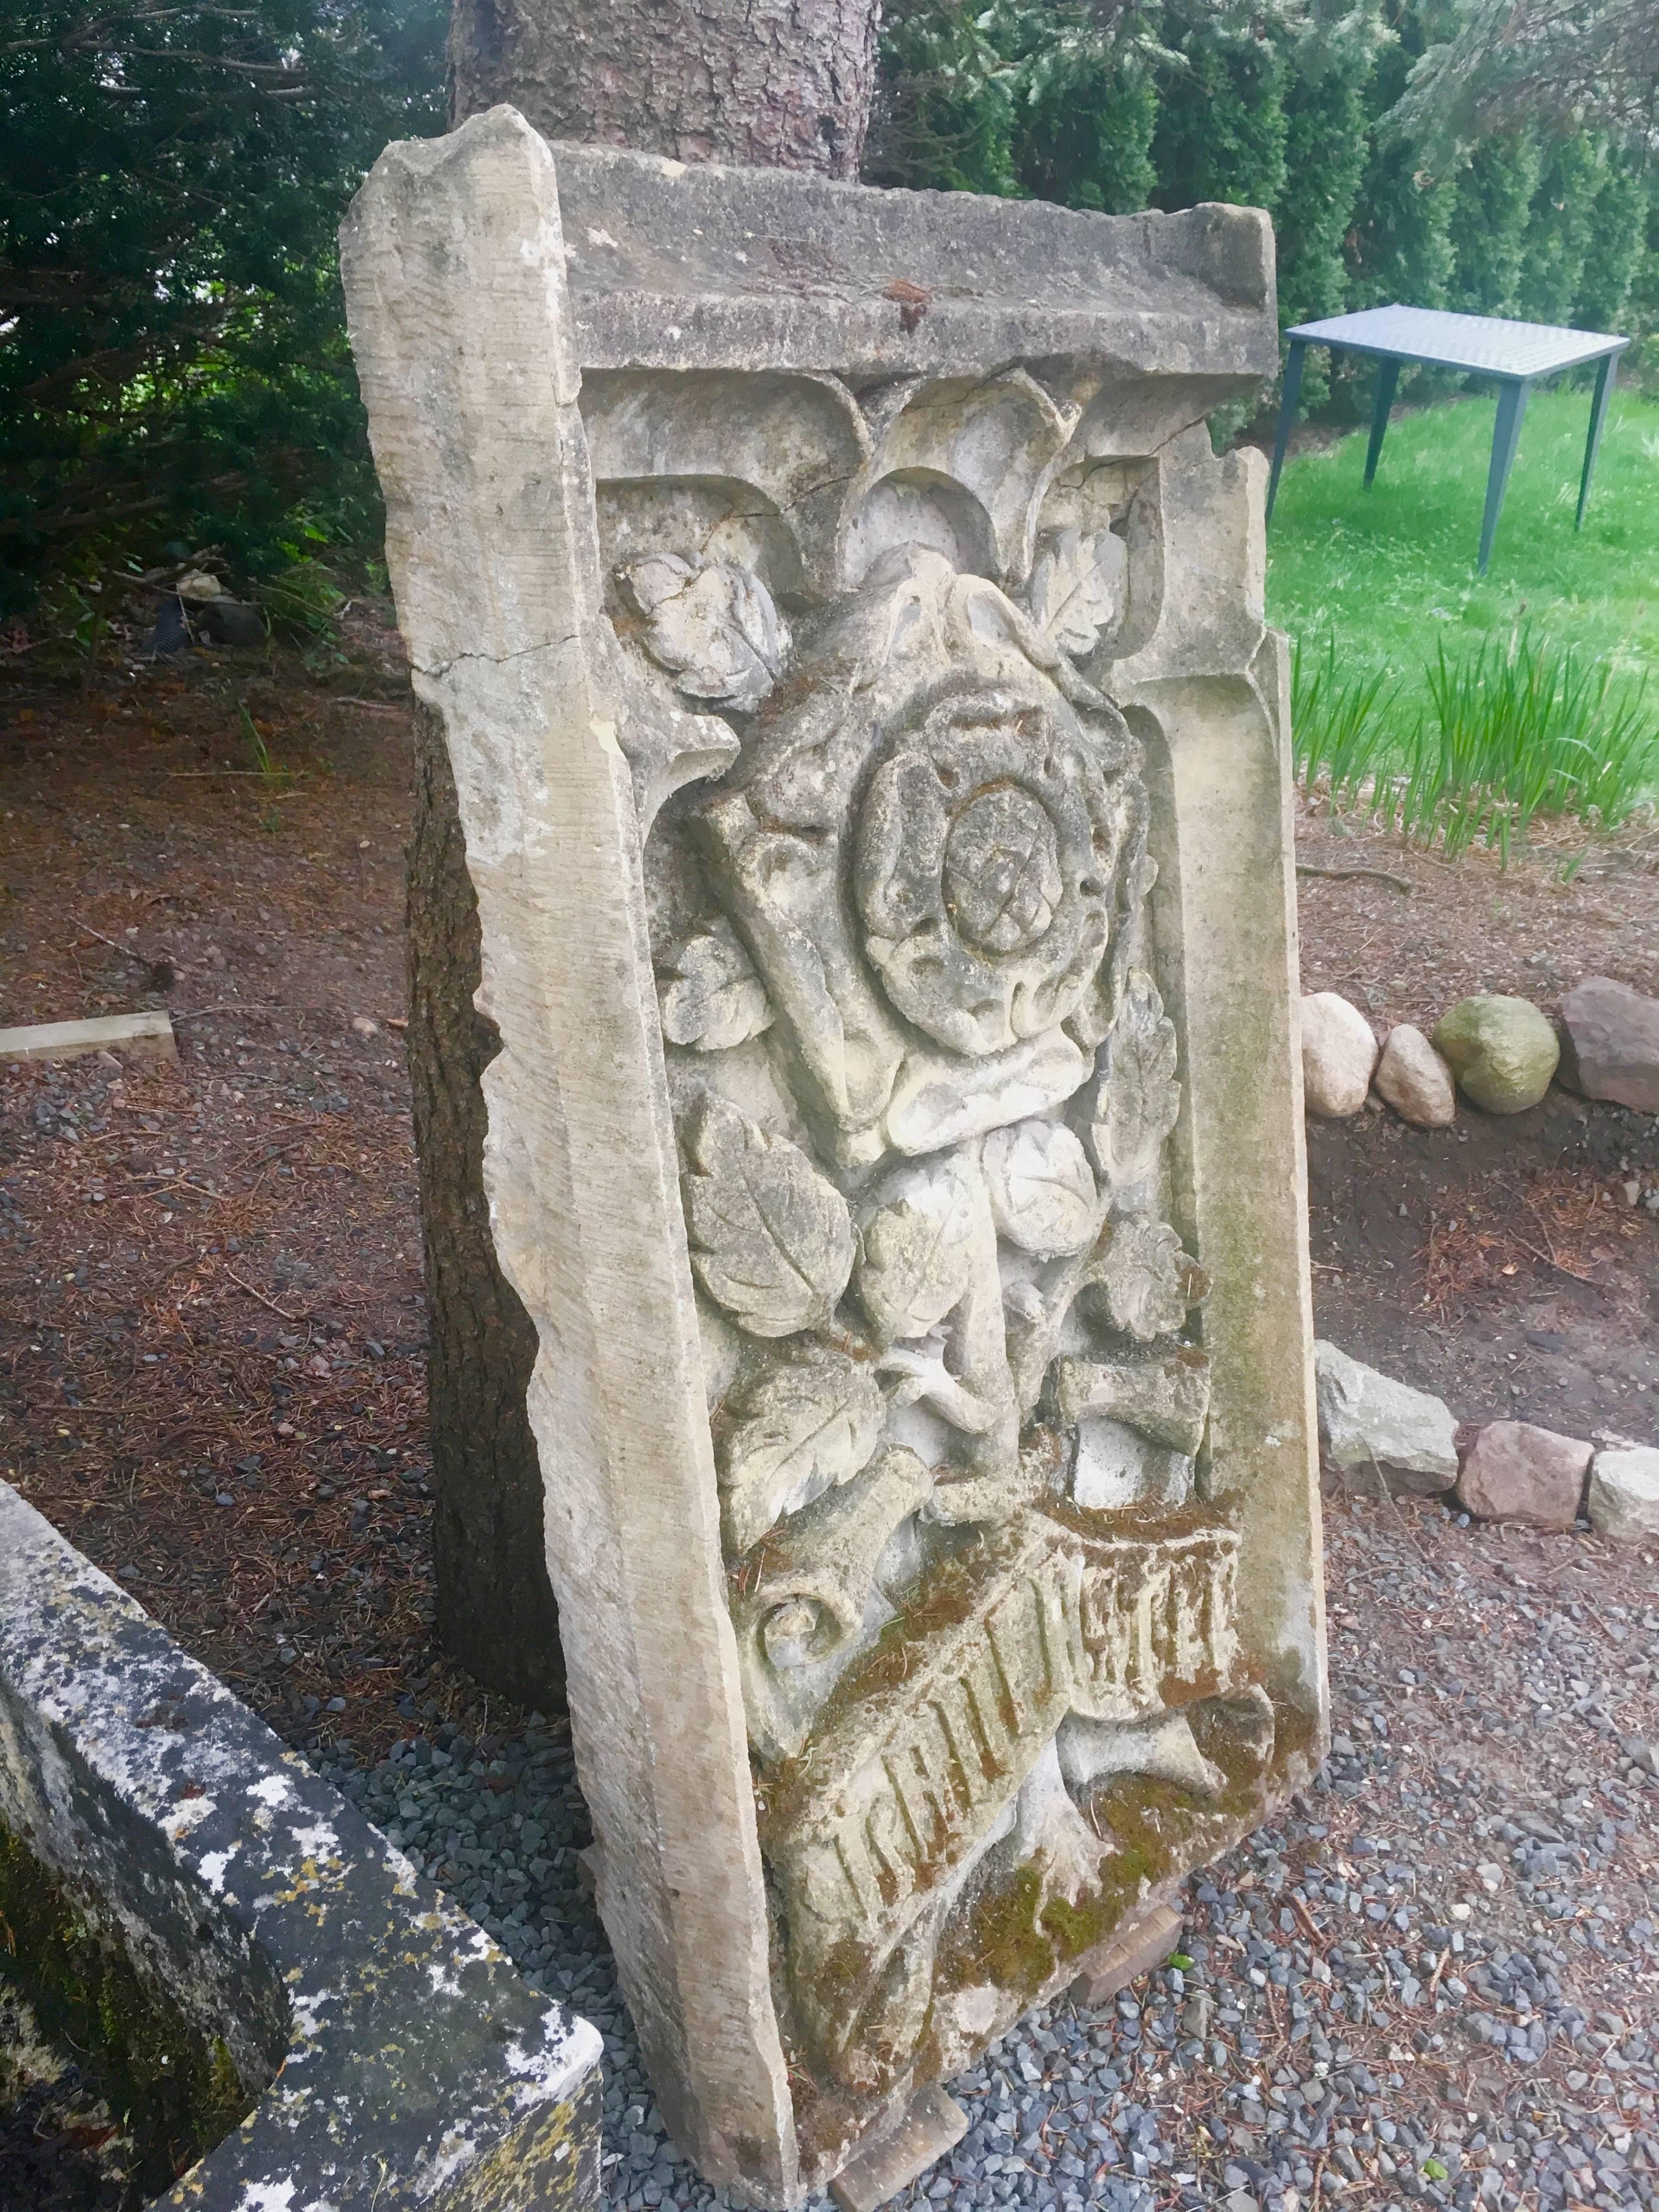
766, 84
496, 1609
763, 83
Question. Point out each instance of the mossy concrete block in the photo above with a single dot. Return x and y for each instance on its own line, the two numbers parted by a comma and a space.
387, 2055
1503, 1051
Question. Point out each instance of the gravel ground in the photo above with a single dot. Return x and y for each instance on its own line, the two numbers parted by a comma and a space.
1435, 1980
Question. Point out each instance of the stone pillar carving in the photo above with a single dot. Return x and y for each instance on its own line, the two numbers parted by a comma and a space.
872, 765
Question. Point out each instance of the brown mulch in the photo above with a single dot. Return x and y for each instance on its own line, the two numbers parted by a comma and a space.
1566, 906
212, 1330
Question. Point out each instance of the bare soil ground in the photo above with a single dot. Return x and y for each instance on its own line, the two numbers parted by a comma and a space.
212, 1345
211, 1322
1500, 1263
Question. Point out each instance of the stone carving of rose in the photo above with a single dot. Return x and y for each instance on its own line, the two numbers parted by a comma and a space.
921, 851
984, 867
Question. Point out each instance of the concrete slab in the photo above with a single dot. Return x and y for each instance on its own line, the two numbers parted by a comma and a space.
143, 1036
384, 2052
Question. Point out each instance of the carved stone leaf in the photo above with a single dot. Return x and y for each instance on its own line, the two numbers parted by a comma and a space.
918, 1250
1139, 1098
712, 626
805, 1425
771, 1239
1077, 586
1144, 1280
1042, 1191
712, 999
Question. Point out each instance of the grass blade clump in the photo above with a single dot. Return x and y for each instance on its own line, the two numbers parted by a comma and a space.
1510, 732
1340, 729
1515, 731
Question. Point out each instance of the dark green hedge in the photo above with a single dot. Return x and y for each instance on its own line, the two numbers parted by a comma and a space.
173, 355
1280, 104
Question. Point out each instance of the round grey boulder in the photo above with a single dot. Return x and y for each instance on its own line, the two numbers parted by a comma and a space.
1503, 1051
1339, 1052
1415, 1080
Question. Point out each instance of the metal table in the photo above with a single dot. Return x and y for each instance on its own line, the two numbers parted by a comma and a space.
1513, 354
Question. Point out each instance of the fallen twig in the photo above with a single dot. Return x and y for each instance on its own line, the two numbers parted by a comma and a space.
1315, 1931
294, 1319
127, 951
1355, 876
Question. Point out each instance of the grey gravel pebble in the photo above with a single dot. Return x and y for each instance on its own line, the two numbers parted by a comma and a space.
1270, 2071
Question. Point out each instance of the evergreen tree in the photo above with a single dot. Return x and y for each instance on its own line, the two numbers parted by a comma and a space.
170, 181
1491, 215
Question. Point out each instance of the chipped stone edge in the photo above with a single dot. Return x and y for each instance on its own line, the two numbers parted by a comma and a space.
397, 2057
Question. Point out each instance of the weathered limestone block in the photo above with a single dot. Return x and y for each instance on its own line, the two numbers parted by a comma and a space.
873, 768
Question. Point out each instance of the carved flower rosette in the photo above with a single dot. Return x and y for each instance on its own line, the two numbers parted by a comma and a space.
926, 1090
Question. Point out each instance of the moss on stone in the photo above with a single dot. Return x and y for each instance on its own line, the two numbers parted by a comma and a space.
177, 2091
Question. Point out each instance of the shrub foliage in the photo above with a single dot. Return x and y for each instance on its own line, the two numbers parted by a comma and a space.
1292, 105
173, 356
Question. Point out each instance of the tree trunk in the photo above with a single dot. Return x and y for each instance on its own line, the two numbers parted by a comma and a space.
765, 83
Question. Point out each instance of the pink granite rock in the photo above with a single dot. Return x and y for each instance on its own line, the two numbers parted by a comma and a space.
1515, 1472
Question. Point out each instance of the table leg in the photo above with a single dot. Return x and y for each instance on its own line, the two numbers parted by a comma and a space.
1287, 415
1388, 376
1598, 416
1505, 437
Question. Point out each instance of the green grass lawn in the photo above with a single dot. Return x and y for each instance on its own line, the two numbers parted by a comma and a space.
1391, 571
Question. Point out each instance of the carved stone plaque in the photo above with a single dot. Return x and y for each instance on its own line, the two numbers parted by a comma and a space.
872, 760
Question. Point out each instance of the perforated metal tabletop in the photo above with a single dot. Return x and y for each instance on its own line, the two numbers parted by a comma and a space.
1482, 345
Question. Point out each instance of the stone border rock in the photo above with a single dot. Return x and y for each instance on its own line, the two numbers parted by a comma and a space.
396, 2058
1502, 1052
1408, 1440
